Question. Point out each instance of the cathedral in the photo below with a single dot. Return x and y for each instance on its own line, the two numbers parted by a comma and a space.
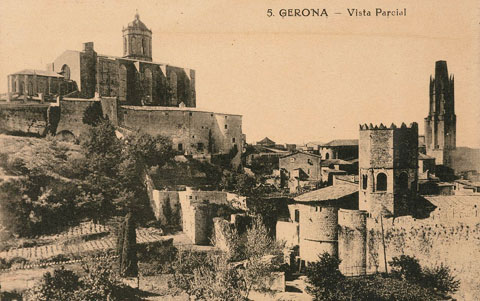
134, 78
135, 93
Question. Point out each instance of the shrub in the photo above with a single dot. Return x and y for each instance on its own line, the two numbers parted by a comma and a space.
324, 278
406, 267
441, 279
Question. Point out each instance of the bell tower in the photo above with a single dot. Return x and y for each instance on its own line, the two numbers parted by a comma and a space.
137, 40
441, 122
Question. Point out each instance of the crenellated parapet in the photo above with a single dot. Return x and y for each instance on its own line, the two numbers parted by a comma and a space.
393, 126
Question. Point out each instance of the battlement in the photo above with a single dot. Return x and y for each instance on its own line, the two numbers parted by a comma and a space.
393, 126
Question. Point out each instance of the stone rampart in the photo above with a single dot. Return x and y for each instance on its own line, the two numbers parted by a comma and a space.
318, 231
26, 118
352, 240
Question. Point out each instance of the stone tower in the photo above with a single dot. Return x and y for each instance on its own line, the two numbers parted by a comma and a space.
137, 40
387, 168
441, 122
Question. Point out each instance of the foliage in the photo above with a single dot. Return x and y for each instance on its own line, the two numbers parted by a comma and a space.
93, 114
323, 277
126, 246
59, 286
231, 275
98, 283
441, 279
406, 267
407, 282
156, 258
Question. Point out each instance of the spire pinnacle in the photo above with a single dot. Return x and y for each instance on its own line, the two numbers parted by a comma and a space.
137, 16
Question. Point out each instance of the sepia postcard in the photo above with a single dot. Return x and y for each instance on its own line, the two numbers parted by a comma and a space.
239, 150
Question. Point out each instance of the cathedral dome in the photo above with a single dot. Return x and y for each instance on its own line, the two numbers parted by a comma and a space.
136, 23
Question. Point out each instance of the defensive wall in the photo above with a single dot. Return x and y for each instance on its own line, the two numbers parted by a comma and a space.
192, 209
352, 238
318, 231
27, 118
191, 131
453, 242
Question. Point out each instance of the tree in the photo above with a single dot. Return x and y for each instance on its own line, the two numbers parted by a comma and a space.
126, 246
59, 286
93, 114
406, 267
324, 277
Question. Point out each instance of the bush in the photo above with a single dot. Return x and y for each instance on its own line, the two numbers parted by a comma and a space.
324, 278
406, 267
156, 258
99, 283
441, 279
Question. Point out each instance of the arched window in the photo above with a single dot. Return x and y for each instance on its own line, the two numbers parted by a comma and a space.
173, 88
144, 47
403, 182
125, 46
364, 182
30, 88
122, 84
381, 182
327, 156
66, 72
148, 85
133, 46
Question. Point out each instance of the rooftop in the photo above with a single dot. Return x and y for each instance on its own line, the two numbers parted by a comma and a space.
342, 142
185, 109
328, 193
37, 72
329, 162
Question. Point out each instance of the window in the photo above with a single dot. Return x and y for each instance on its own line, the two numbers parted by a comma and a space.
292, 160
297, 215
180, 146
226, 126
199, 146
233, 140
66, 72
327, 156
364, 182
381, 182
190, 113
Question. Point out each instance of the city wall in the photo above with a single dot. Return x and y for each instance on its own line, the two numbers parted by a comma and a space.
192, 132
318, 231
432, 242
29, 118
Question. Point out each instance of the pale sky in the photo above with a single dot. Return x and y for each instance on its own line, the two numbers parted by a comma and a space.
294, 79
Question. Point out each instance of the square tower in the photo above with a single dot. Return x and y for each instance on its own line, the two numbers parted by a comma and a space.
388, 160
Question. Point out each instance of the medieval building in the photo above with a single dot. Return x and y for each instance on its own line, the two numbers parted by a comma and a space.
136, 94
440, 124
133, 78
388, 168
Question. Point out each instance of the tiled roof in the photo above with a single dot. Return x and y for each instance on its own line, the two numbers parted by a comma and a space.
37, 72
329, 162
454, 200
342, 142
266, 140
302, 153
328, 193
